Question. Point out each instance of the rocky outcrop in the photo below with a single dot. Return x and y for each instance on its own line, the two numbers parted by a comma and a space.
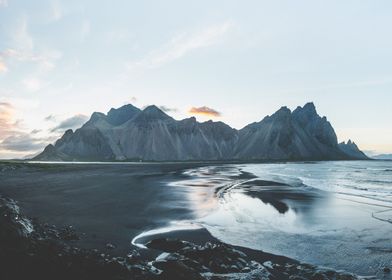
351, 149
129, 133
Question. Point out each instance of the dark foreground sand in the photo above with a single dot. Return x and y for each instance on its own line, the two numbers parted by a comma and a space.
106, 203
109, 205
30, 250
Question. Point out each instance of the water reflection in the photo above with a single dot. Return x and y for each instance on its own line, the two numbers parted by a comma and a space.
252, 214
226, 195
299, 210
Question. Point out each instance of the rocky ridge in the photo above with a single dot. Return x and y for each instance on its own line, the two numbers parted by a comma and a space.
128, 133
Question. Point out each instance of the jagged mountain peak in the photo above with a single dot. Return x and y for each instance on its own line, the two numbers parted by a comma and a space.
150, 134
152, 109
126, 107
218, 124
190, 119
308, 116
307, 111
349, 143
152, 113
97, 115
121, 115
283, 111
351, 149
309, 107
68, 133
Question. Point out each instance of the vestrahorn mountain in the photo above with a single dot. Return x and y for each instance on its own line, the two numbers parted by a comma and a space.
128, 133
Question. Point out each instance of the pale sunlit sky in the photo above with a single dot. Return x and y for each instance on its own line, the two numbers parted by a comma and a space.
62, 60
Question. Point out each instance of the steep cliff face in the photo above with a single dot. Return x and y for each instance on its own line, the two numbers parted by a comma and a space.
153, 135
301, 134
129, 133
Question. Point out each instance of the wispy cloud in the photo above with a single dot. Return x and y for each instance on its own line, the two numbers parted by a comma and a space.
12, 137
51, 118
132, 100
204, 110
70, 123
23, 49
168, 109
20, 35
45, 60
17, 140
183, 44
22, 142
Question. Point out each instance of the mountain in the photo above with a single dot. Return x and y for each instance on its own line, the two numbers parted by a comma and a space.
351, 149
128, 133
122, 114
301, 134
383, 156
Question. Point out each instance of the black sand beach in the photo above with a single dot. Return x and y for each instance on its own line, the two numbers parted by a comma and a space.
111, 206
106, 203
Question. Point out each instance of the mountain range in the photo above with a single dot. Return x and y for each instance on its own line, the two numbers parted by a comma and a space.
129, 133
383, 157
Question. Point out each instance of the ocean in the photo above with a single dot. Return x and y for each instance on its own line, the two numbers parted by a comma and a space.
334, 214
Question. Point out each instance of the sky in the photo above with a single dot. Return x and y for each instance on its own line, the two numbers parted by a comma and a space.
231, 61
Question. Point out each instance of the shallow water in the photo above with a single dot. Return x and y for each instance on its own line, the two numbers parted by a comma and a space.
334, 214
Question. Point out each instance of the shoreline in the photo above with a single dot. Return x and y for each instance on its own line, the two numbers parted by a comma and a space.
162, 187
32, 250
187, 162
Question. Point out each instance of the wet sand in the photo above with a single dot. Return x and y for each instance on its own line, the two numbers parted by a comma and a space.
107, 203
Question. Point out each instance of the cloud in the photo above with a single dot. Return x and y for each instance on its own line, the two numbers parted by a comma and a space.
71, 123
7, 123
131, 100
168, 109
25, 49
51, 118
22, 142
183, 44
3, 67
5, 104
204, 111
14, 140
